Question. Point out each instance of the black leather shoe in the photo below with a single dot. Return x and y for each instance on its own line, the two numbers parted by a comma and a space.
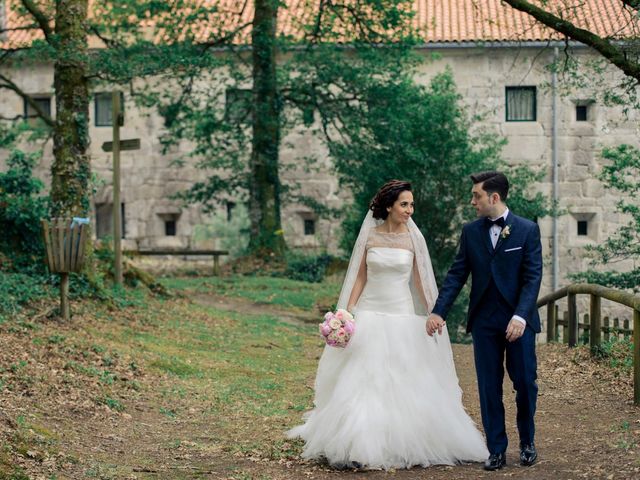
495, 461
528, 454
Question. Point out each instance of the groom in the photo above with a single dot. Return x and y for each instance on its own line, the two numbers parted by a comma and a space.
503, 254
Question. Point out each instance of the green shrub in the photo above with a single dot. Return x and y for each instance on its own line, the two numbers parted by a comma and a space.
308, 268
21, 208
618, 353
18, 289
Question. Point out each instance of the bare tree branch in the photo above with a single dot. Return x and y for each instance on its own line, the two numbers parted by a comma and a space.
33, 26
8, 84
614, 52
40, 18
635, 4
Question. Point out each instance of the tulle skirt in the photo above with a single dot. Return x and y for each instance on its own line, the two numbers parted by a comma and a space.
390, 399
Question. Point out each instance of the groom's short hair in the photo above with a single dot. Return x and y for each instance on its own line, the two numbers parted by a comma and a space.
493, 182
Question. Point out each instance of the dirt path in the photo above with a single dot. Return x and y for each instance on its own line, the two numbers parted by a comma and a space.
583, 430
586, 426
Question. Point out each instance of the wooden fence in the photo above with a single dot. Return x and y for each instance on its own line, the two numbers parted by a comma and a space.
593, 325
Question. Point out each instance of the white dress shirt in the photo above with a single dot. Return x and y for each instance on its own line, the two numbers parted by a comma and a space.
494, 232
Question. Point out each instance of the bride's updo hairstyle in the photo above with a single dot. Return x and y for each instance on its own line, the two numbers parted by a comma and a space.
387, 196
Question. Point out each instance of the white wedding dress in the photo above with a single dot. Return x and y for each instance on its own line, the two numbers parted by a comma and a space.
391, 398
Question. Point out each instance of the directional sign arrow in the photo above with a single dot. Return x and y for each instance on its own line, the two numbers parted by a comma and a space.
130, 144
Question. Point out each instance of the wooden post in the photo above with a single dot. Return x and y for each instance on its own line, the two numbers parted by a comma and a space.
573, 320
616, 328
565, 327
117, 220
607, 330
551, 322
595, 327
65, 311
584, 336
625, 327
216, 265
636, 357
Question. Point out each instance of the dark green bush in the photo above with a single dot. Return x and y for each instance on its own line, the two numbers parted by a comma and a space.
18, 289
618, 353
21, 208
308, 268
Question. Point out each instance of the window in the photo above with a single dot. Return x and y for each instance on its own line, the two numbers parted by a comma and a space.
583, 227
104, 220
237, 108
521, 104
309, 226
170, 227
307, 116
104, 110
43, 101
581, 113
230, 207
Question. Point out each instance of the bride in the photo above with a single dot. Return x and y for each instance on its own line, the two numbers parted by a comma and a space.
390, 399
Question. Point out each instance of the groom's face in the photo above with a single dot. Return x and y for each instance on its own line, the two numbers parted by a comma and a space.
484, 203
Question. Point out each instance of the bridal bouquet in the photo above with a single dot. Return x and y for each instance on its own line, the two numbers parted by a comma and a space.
337, 328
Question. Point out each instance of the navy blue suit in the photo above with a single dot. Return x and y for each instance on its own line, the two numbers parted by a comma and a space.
505, 281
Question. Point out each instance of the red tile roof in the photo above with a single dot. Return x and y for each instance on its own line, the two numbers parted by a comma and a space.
439, 20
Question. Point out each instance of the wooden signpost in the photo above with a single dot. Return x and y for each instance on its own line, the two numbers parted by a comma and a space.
116, 146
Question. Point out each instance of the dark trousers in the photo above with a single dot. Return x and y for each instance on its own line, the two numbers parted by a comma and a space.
489, 348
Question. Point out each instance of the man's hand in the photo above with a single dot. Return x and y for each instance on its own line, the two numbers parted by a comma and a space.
434, 322
515, 330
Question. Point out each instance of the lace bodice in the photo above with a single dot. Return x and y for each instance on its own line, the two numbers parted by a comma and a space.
389, 260
389, 240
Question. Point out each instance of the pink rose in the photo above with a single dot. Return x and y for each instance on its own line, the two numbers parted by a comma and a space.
341, 332
325, 329
349, 327
339, 314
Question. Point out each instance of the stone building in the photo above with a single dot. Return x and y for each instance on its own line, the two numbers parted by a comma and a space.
499, 59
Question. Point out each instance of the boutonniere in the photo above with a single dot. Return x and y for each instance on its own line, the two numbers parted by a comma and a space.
506, 231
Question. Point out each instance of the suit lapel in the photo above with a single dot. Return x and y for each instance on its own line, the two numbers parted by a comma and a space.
486, 238
501, 239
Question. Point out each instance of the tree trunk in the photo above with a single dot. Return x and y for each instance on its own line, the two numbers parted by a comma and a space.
264, 202
71, 167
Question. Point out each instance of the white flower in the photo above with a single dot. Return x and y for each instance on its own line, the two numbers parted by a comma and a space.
335, 323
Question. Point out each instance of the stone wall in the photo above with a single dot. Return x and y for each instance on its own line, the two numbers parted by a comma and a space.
149, 178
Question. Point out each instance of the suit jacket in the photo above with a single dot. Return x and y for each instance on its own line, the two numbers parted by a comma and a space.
515, 266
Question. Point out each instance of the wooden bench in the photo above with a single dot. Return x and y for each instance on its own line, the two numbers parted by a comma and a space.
215, 253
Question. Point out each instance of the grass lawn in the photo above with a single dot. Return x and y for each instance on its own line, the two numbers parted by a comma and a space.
242, 379
268, 290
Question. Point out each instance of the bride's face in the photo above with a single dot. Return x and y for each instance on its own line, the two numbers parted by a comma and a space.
402, 208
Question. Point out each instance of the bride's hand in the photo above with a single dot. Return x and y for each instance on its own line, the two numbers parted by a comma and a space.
434, 322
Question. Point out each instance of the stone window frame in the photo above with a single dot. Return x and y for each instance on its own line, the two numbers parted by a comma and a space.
106, 208
96, 110
309, 225
590, 218
588, 103
237, 105
519, 88
168, 215
37, 97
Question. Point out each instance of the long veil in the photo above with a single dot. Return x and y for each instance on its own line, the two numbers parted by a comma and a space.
423, 263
